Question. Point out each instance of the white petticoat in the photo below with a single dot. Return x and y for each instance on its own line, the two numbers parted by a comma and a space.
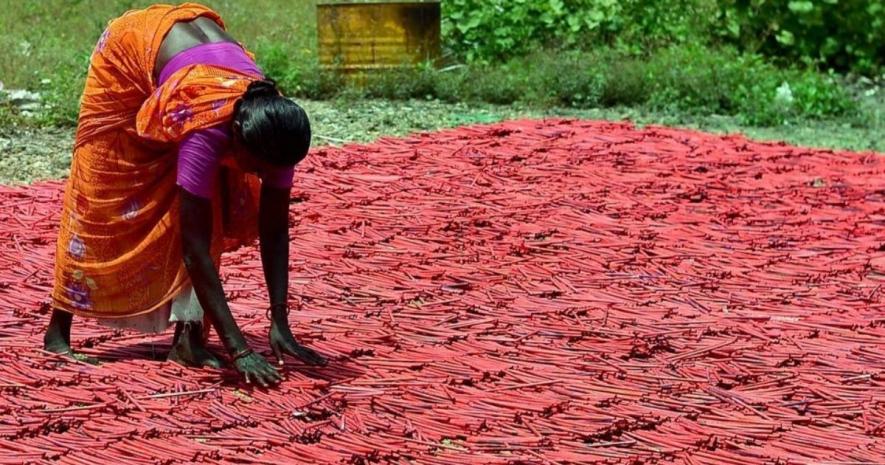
184, 307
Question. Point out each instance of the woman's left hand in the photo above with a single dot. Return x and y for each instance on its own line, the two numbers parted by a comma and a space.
283, 342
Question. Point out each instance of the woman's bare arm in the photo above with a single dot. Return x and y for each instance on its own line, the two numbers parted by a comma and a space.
273, 230
196, 234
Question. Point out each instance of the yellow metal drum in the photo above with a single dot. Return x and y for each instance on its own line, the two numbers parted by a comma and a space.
357, 36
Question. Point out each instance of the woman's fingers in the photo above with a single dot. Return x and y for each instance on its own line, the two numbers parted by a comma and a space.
268, 373
277, 352
307, 355
255, 367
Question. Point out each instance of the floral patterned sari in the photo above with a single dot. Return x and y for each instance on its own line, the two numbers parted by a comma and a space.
119, 247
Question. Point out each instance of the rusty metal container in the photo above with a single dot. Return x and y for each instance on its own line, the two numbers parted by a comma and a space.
359, 36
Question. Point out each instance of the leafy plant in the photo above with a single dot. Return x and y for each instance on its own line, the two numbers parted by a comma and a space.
847, 35
490, 30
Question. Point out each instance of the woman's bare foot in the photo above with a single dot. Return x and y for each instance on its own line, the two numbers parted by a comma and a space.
58, 337
188, 348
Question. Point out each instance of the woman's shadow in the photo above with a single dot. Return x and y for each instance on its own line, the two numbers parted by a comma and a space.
339, 369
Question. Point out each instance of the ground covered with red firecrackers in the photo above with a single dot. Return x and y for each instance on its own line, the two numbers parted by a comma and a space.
532, 292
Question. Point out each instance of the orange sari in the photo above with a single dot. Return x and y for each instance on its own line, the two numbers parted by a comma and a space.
119, 246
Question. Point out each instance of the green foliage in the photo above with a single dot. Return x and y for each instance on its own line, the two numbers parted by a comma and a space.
645, 25
692, 79
494, 30
688, 80
46, 44
627, 80
841, 34
847, 35
488, 30
405, 83
61, 93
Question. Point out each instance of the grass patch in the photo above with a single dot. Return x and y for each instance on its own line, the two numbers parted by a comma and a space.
47, 43
691, 80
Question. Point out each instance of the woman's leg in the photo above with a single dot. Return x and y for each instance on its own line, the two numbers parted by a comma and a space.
189, 347
189, 342
58, 334
58, 337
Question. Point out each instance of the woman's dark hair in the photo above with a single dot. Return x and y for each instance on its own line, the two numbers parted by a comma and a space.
272, 127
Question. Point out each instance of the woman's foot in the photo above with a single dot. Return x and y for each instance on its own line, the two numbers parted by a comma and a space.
58, 337
73, 355
58, 334
188, 348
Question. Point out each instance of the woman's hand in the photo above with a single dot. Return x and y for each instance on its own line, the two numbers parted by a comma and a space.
255, 367
283, 342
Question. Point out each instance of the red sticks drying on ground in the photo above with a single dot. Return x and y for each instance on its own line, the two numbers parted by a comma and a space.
530, 293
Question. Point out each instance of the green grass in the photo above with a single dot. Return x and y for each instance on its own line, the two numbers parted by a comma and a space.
46, 43
685, 79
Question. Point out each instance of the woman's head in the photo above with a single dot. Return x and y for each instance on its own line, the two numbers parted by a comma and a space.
273, 129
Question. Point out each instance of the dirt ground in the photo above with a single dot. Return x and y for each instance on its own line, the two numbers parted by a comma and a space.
30, 154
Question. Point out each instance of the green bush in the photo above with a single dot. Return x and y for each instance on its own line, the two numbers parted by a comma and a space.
627, 80
685, 79
492, 30
724, 81
494, 84
297, 74
847, 35
702, 81
646, 25
696, 80
577, 82
417, 82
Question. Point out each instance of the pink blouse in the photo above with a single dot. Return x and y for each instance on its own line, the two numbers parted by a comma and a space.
199, 154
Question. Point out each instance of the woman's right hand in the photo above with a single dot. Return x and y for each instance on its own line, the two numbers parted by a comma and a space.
254, 367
